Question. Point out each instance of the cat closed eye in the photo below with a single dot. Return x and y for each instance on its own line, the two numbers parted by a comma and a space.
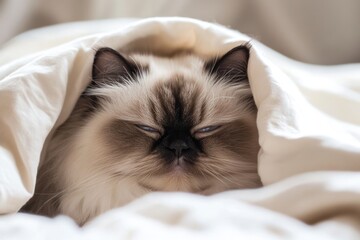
147, 128
207, 129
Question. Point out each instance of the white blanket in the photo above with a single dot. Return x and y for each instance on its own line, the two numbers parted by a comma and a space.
308, 121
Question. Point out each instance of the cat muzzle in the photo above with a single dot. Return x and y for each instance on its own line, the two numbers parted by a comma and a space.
178, 147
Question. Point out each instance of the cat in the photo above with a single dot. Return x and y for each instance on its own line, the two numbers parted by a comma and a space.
149, 123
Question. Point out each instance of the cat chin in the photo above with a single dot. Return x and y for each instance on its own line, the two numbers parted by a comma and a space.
175, 181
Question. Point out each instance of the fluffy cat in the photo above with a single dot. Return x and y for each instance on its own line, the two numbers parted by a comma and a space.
149, 123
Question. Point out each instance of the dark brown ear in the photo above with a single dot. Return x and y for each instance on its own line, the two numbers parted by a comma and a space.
231, 67
110, 66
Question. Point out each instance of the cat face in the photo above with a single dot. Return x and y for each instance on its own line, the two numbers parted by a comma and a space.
149, 123
175, 124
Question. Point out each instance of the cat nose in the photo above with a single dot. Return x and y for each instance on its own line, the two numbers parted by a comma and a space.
178, 146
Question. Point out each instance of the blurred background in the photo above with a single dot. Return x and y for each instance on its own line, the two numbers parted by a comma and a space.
312, 31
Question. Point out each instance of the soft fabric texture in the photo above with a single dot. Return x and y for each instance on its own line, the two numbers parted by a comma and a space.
308, 121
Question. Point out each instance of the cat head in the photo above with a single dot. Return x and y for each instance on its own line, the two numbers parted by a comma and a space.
174, 124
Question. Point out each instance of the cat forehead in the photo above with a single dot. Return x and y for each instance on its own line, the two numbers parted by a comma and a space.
183, 76
161, 67
170, 87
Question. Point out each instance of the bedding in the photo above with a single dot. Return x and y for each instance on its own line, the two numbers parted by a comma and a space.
309, 133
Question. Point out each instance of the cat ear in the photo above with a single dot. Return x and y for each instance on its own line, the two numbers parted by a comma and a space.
110, 66
231, 67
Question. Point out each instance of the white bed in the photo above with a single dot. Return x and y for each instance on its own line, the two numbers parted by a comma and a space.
308, 121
